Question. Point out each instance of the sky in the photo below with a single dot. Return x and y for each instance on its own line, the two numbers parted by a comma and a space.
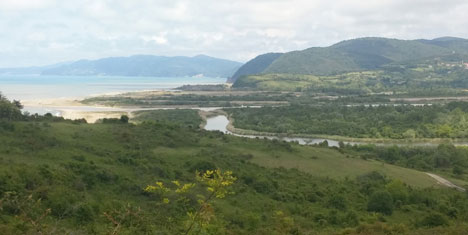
41, 32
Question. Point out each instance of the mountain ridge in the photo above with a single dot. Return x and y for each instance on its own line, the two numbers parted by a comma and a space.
360, 54
138, 65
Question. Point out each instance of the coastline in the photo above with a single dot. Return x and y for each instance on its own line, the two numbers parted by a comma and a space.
73, 108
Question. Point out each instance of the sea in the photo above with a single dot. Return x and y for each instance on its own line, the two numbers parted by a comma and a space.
40, 87
31, 87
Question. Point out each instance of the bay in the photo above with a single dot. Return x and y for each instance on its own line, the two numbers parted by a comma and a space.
31, 87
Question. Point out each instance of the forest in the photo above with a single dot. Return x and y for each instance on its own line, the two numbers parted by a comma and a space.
390, 121
428, 77
161, 177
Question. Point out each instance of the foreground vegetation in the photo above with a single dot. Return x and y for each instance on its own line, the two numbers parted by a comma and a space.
59, 177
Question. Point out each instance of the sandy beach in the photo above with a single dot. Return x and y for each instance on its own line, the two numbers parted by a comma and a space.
72, 108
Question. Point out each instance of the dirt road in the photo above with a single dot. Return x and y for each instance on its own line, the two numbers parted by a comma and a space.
445, 182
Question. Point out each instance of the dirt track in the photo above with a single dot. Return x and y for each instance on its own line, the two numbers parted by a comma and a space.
445, 182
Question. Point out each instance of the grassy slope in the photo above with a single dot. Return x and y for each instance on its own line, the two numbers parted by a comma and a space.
320, 162
330, 163
104, 165
317, 161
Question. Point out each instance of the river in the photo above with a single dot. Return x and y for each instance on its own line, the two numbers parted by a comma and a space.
220, 123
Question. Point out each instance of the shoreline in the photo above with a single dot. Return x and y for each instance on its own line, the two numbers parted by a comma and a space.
73, 108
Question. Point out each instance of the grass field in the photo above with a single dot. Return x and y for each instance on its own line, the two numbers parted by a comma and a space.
331, 163
320, 162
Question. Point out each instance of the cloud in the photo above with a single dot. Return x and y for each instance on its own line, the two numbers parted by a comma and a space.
37, 32
158, 39
24, 4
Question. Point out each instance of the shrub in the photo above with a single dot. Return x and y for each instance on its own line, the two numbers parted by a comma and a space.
434, 219
381, 201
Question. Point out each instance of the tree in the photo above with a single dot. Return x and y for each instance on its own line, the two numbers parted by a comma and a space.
124, 118
458, 170
434, 220
18, 104
381, 201
217, 184
409, 134
10, 110
397, 190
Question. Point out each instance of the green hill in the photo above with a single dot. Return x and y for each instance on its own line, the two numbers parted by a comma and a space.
313, 61
362, 54
353, 55
255, 66
457, 45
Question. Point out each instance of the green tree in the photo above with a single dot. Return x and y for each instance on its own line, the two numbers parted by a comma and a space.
434, 219
409, 134
381, 201
458, 170
397, 190
124, 118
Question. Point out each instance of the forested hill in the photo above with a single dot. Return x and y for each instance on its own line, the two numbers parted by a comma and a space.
257, 65
360, 55
141, 65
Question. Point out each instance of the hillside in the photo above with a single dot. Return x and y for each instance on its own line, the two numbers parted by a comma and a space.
458, 45
68, 177
80, 177
139, 65
255, 66
362, 54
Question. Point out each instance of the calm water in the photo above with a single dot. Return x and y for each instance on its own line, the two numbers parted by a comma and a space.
217, 123
30, 87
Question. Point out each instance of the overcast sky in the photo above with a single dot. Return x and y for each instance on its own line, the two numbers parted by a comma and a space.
39, 32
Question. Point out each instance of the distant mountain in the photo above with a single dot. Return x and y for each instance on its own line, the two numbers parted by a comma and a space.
358, 55
256, 65
142, 65
35, 70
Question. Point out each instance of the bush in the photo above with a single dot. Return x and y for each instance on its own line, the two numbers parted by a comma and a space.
434, 219
124, 119
202, 166
6, 126
381, 201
